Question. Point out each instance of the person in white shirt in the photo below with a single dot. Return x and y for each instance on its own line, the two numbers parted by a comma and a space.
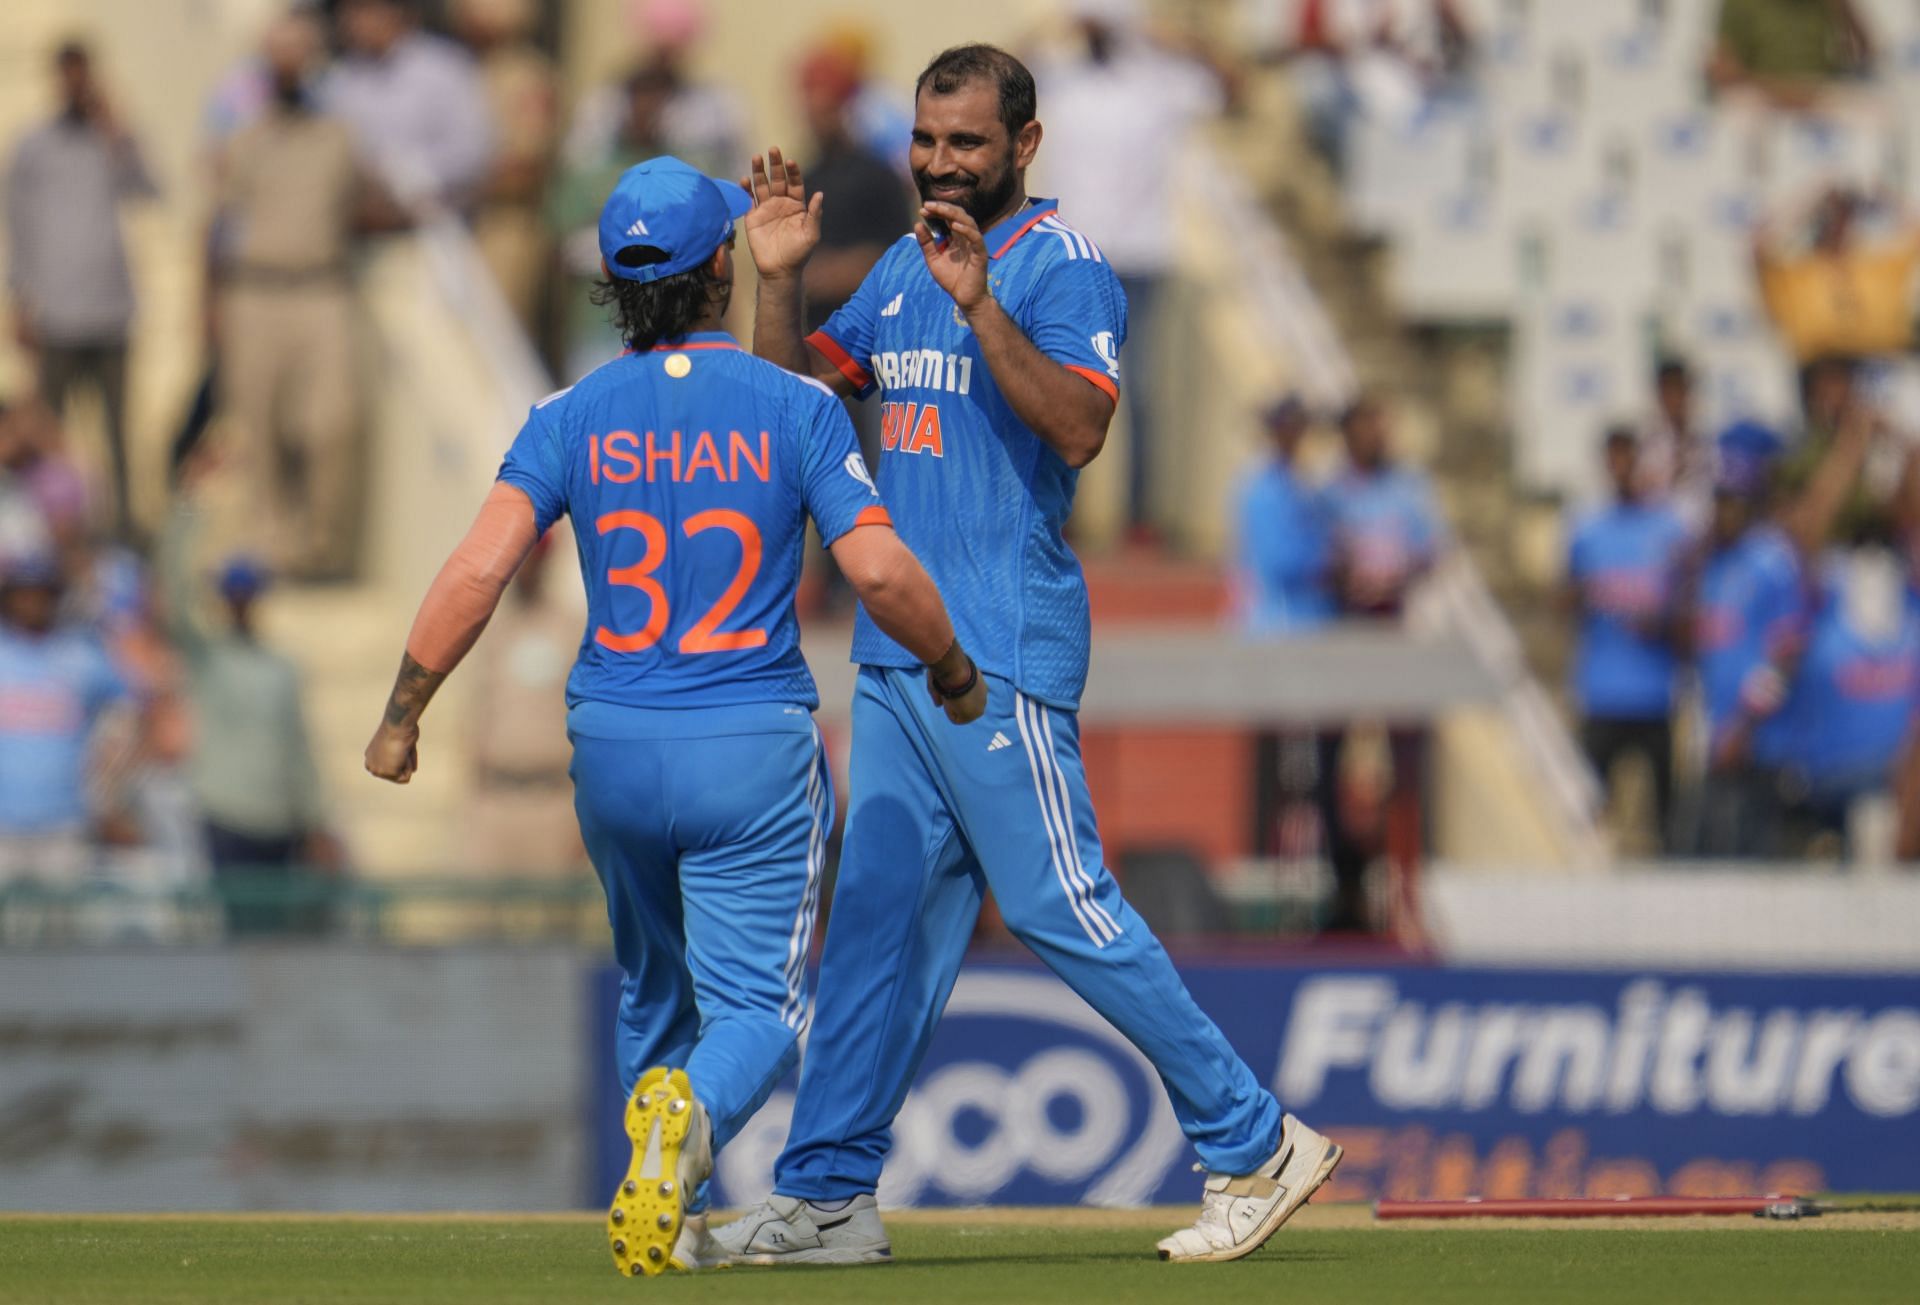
416, 103
1117, 117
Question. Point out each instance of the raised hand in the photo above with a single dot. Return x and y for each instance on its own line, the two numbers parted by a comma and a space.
784, 225
959, 262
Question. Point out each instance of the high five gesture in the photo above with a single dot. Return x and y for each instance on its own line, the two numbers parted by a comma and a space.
784, 226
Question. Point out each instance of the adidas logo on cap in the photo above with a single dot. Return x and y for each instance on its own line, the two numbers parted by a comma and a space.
639, 228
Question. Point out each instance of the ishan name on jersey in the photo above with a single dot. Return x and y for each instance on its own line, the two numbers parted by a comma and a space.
623, 457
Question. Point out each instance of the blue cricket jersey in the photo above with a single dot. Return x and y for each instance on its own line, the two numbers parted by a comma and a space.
1385, 526
1853, 700
1286, 550
1751, 612
53, 689
689, 472
1626, 559
979, 498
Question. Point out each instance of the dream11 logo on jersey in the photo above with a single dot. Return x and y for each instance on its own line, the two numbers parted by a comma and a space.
1026, 1096
914, 427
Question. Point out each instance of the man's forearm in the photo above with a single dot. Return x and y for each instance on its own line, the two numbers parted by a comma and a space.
462, 599
413, 689
1063, 409
776, 324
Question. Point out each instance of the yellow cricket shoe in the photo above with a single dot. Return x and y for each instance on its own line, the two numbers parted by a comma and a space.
672, 1156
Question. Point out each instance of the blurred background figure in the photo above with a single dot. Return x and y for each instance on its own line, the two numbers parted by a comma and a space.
1674, 456
62, 725
1833, 288
1746, 626
1853, 701
1283, 536
870, 208
522, 86
523, 795
67, 265
697, 121
1386, 537
659, 107
1624, 567
1376, 60
416, 104
43, 493
879, 115
573, 210
1387, 531
288, 197
253, 767
1117, 113
1789, 52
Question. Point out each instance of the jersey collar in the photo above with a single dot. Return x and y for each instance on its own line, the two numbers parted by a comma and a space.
1006, 233
698, 340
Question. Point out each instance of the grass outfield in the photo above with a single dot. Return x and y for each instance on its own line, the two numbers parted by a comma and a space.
1326, 1256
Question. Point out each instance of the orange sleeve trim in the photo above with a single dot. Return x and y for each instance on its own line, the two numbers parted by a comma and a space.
872, 516
830, 349
1099, 380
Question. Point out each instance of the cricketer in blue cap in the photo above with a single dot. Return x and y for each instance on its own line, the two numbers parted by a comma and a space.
665, 217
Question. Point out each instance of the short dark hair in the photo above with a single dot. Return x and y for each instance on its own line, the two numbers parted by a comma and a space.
1364, 401
1621, 433
72, 50
647, 312
1672, 367
958, 65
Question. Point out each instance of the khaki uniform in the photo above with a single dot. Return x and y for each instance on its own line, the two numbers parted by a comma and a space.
288, 342
522, 820
509, 227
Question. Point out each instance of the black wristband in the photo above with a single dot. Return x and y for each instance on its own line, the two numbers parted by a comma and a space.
973, 678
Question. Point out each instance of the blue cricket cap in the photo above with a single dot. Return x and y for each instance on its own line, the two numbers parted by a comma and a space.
35, 570
666, 205
243, 577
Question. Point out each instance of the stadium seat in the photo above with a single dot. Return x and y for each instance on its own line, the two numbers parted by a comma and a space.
1578, 364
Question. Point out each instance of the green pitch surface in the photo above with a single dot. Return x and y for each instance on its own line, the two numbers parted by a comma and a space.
1327, 1256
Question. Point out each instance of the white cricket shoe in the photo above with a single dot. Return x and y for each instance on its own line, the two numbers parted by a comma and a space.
697, 1248
1240, 1211
787, 1230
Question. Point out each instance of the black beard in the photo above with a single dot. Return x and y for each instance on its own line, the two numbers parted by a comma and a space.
986, 201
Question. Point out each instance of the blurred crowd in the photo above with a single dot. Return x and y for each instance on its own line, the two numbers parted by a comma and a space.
1746, 600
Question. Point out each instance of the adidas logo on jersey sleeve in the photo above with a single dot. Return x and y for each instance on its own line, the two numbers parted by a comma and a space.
893, 306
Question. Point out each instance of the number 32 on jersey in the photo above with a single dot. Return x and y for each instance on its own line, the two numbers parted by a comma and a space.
705, 636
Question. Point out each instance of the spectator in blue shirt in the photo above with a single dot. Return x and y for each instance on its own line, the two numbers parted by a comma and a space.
1624, 569
56, 685
1386, 529
1386, 534
1855, 695
1747, 623
1284, 544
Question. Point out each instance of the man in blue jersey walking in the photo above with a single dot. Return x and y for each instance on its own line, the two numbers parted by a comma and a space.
992, 335
689, 469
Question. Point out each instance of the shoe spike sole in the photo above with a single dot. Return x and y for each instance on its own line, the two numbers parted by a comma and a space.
648, 1208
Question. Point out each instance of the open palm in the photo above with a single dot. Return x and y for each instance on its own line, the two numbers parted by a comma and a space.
784, 225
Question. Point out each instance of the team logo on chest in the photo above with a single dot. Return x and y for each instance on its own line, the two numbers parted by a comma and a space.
914, 427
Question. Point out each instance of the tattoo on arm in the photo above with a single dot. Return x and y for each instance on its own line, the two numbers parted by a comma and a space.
413, 688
